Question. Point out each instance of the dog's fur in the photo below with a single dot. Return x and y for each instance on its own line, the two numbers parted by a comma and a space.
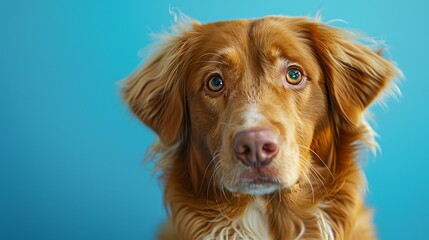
320, 124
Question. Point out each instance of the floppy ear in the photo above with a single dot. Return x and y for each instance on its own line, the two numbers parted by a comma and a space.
155, 92
355, 75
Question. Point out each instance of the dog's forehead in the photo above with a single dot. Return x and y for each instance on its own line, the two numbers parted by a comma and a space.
257, 32
254, 41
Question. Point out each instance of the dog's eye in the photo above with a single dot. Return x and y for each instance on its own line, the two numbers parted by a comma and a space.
215, 84
294, 76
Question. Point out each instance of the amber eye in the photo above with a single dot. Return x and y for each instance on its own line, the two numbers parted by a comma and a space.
215, 84
294, 76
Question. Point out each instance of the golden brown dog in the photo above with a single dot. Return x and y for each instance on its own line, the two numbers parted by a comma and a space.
259, 124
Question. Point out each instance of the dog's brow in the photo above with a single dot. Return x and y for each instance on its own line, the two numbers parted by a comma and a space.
227, 55
229, 52
275, 52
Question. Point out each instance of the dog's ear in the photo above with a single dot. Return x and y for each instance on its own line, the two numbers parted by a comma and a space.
155, 92
355, 75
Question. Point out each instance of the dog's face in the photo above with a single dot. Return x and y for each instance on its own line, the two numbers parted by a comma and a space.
257, 99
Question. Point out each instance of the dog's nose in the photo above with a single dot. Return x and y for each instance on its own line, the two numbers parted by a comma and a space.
256, 147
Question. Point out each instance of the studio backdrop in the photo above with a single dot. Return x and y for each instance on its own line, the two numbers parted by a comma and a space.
71, 153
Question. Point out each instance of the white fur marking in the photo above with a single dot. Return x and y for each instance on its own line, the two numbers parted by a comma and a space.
253, 225
261, 190
252, 117
324, 225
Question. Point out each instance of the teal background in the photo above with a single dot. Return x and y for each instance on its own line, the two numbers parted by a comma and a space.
70, 152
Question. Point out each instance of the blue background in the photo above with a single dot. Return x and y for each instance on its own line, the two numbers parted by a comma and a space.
70, 151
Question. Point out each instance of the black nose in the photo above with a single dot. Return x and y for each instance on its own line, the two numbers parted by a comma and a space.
256, 147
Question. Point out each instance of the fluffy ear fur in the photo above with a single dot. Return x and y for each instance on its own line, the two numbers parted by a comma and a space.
155, 92
355, 75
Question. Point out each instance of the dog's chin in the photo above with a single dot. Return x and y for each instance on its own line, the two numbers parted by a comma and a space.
256, 186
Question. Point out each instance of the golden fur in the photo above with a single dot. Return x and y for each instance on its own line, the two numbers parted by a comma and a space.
320, 124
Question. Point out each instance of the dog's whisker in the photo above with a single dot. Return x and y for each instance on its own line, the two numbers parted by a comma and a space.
320, 158
209, 182
215, 156
311, 185
314, 172
268, 202
222, 188
217, 165
279, 203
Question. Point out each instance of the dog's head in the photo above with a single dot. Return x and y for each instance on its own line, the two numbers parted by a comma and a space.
259, 102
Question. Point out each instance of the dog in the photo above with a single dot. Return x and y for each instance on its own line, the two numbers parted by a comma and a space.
260, 122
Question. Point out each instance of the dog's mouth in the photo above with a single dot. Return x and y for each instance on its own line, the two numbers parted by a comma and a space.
258, 185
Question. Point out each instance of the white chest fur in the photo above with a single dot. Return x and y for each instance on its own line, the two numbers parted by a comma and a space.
253, 225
